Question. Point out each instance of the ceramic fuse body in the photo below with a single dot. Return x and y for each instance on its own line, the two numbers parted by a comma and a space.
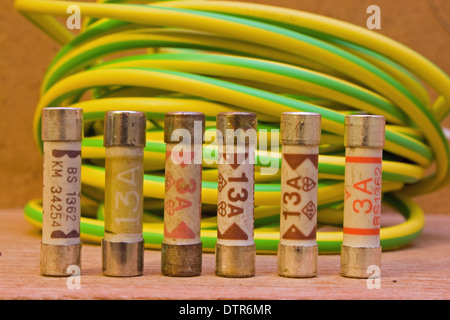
61, 244
363, 191
123, 243
181, 250
235, 247
298, 250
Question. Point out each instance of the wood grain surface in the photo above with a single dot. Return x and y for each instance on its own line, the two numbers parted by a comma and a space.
418, 271
26, 52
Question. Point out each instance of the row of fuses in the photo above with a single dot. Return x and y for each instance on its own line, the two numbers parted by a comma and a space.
181, 250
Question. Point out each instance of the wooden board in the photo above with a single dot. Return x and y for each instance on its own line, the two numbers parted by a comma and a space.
419, 271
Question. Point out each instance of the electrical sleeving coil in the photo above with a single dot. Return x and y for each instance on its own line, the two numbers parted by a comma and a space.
217, 56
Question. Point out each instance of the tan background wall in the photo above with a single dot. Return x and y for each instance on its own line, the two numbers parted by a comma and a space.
25, 52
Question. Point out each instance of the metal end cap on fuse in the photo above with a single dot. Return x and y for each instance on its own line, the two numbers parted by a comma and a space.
181, 260
55, 260
355, 261
122, 259
229, 123
193, 122
235, 261
62, 124
364, 131
300, 128
297, 261
125, 128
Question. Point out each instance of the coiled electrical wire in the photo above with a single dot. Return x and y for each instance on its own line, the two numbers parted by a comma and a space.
214, 56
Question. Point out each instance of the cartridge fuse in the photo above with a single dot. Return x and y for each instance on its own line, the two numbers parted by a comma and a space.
181, 249
297, 249
235, 247
364, 141
123, 244
61, 136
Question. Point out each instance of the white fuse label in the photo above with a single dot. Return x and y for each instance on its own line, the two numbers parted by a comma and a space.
61, 196
235, 205
299, 178
362, 209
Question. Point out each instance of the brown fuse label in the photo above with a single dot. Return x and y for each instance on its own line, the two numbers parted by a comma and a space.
182, 200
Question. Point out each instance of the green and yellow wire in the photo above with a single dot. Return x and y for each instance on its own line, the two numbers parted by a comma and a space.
214, 56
